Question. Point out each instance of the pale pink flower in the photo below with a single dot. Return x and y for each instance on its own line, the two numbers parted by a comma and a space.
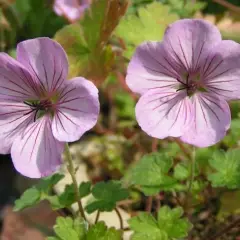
71, 9
40, 109
185, 82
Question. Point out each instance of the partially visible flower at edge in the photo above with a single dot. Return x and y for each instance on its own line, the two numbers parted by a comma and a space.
185, 82
40, 109
71, 9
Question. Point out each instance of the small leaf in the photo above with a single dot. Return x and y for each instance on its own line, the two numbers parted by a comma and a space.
171, 222
181, 172
169, 225
67, 228
106, 195
99, 231
149, 24
29, 198
47, 183
145, 226
67, 198
151, 173
227, 169
85, 189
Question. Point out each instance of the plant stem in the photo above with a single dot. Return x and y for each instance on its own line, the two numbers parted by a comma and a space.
120, 218
71, 170
183, 148
192, 172
228, 5
149, 202
97, 216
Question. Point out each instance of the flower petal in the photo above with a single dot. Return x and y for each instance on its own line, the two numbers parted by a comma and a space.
221, 70
16, 82
36, 153
14, 118
188, 41
149, 68
46, 60
163, 114
70, 8
77, 110
212, 119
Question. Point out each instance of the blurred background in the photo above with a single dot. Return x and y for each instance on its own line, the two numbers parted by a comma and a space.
144, 20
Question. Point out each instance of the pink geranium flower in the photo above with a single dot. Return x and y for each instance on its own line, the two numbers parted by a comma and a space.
71, 9
39, 108
185, 82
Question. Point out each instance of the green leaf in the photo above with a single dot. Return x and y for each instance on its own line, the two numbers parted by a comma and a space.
227, 169
47, 183
29, 198
106, 195
125, 105
181, 172
40, 192
145, 226
186, 9
170, 220
67, 228
151, 173
169, 225
233, 136
67, 198
99, 231
85, 189
86, 43
149, 24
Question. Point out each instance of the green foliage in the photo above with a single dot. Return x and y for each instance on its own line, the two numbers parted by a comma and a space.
186, 8
67, 198
29, 198
149, 24
233, 136
151, 173
169, 225
39, 192
67, 228
125, 105
181, 172
85, 189
28, 19
106, 195
99, 231
227, 169
86, 41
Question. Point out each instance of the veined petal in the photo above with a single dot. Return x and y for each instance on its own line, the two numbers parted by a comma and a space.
212, 119
14, 119
162, 114
36, 153
188, 41
150, 68
46, 60
221, 70
16, 82
77, 110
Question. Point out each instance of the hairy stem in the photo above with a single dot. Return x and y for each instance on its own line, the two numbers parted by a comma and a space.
71, 170
192, 172
228, 5
97, 217
120, 218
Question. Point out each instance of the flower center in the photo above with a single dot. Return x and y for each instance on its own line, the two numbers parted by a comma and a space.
40, 107
191, 84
